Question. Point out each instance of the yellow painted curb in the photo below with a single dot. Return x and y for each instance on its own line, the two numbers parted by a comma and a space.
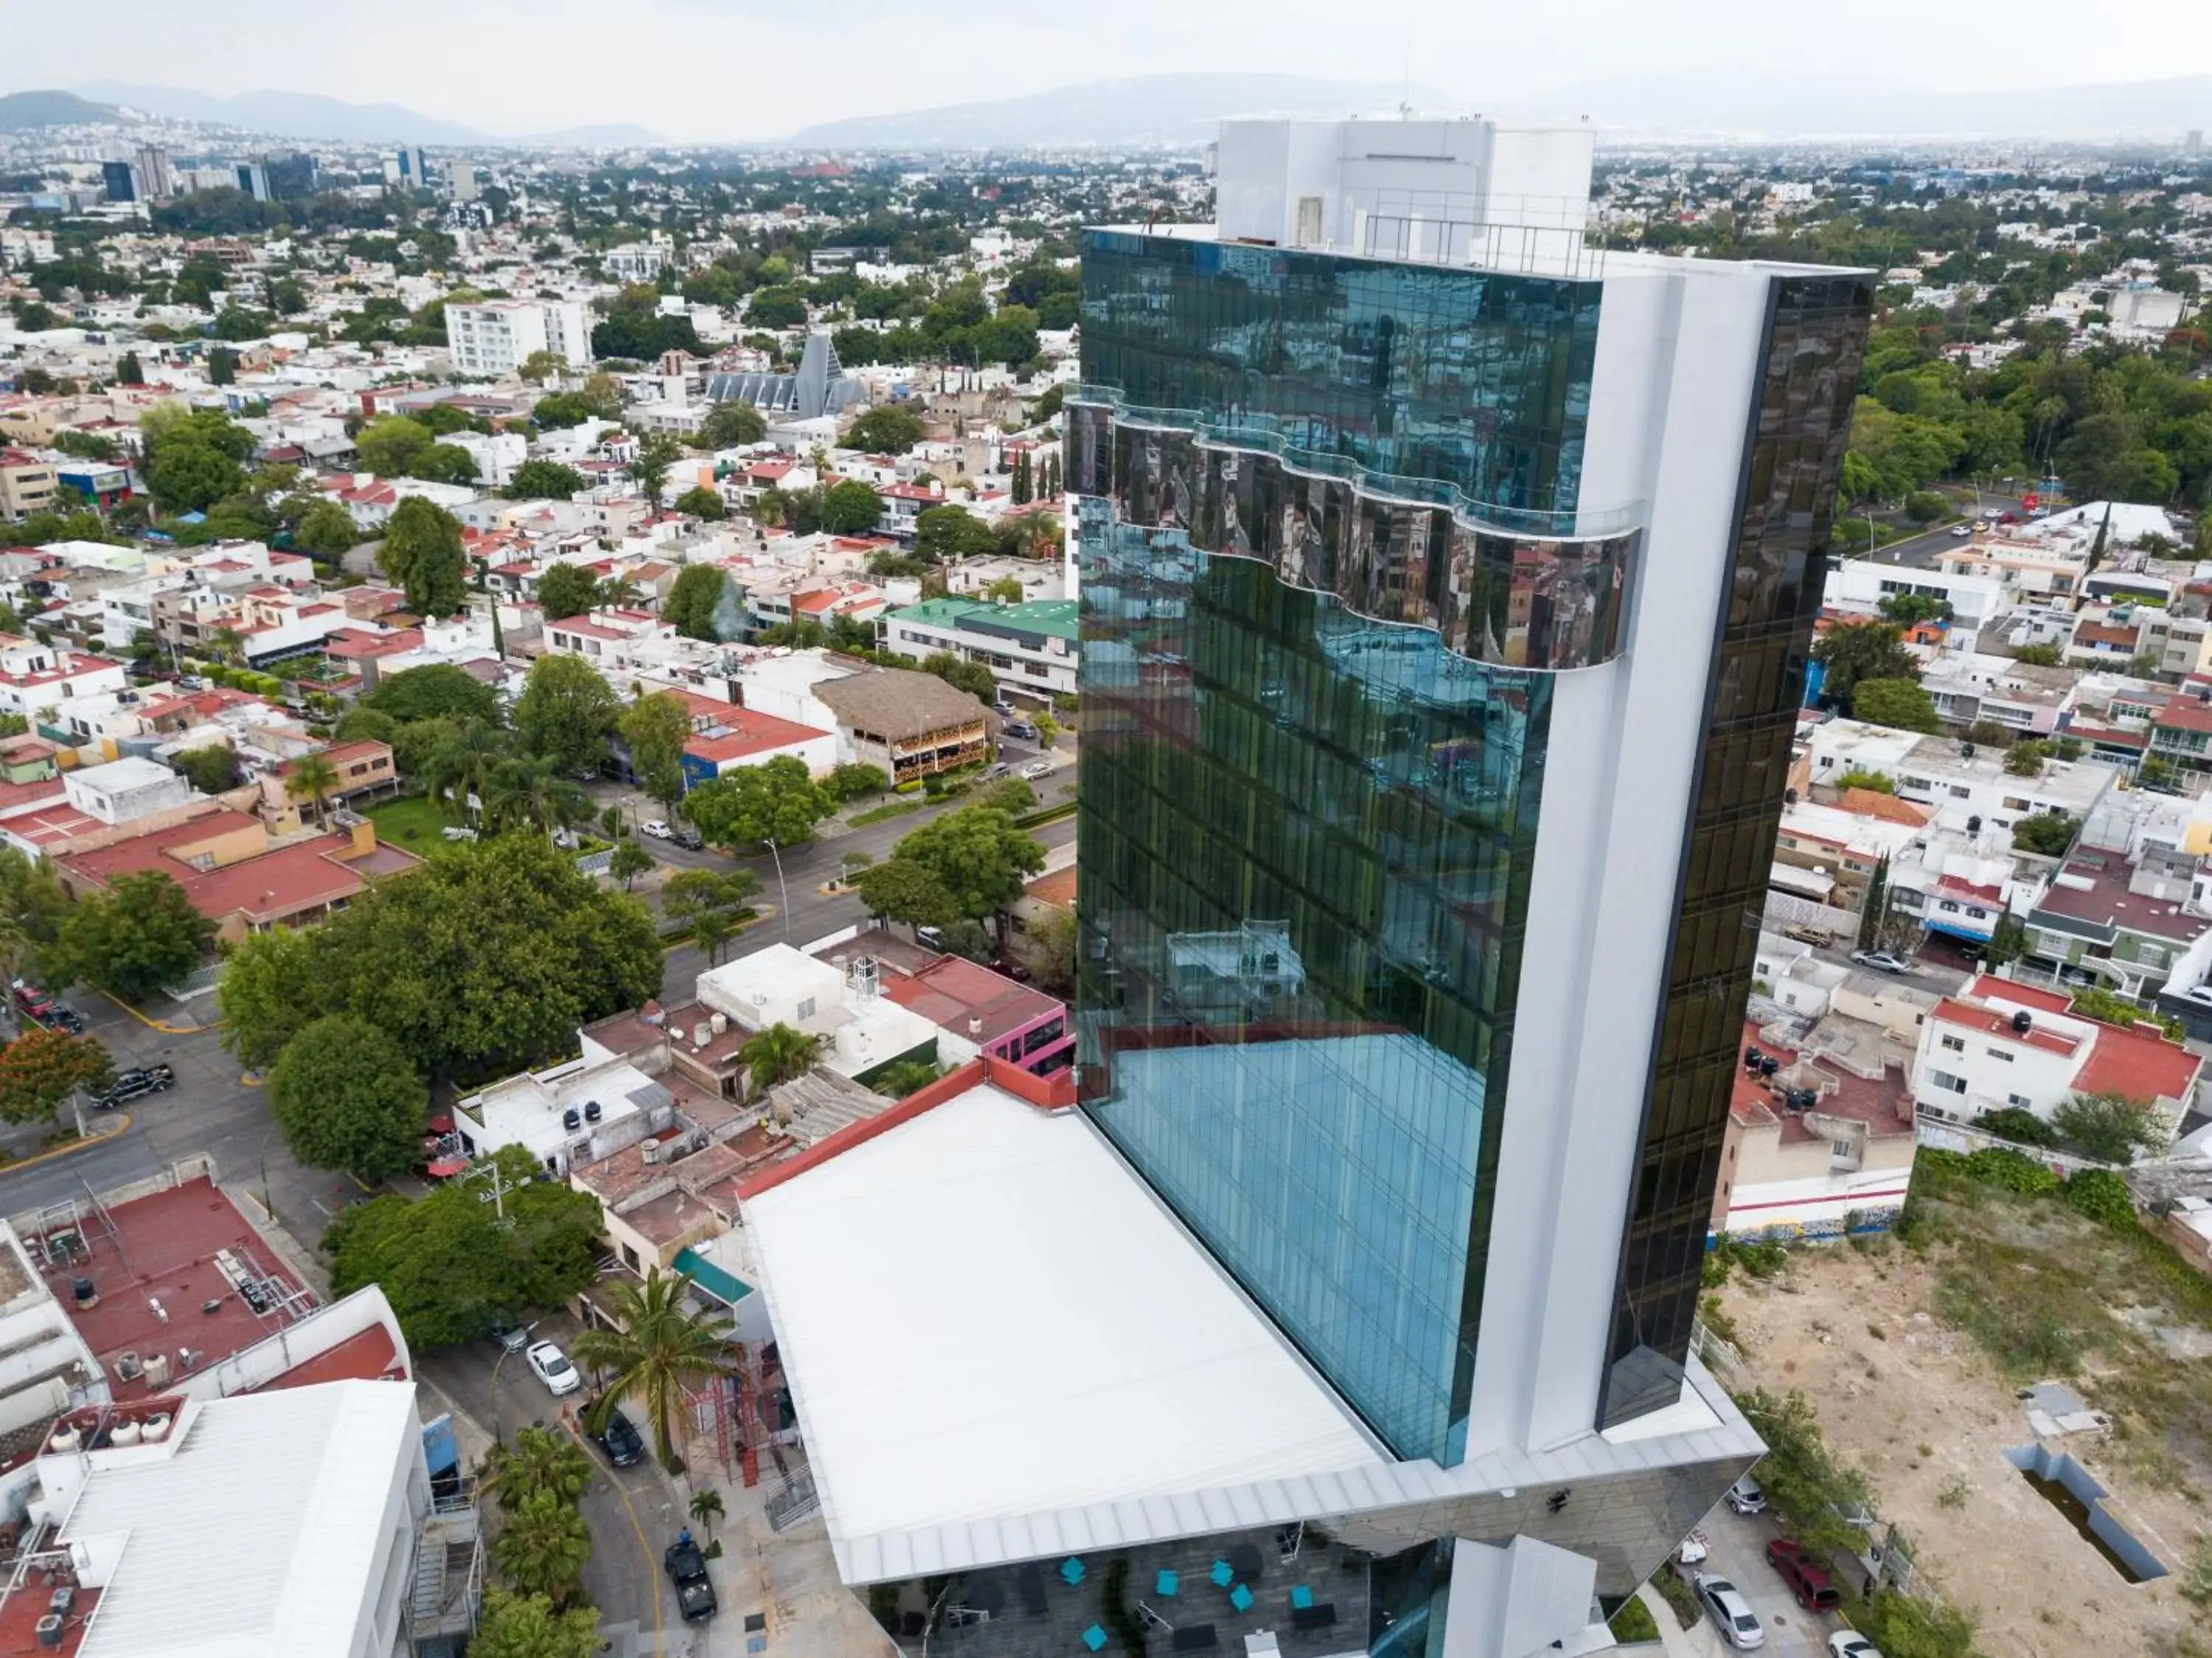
157, 1025
122, 1119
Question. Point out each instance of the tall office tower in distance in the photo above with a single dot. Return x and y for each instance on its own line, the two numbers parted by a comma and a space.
121, 180
157, 174
1447, 587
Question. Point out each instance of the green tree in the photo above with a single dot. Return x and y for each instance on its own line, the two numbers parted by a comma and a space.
2026, 758
482, 962
453, 1268
1908, 609
689, 891
311, 779
390, 445
654, 729
529, 793
210, 770
850, 507
565, 712
974, 678
900, 889
777, 800
776, 1055
2107, 1126
1925, 506
729, 425
943, 534
700, 502
2049, 833
1863, 650
889, 429
128, 371
422, 555
140, 934
627, 862
263, 1005
544, 480
706, 1508
538, 1459
326, 530
438, 691
710, 930
529, 1626
346, 1099
655, 455
41, 1068
565, 590
2045, 655
655, 1351
189, 475
222, 366
542, 1547
852, 781
695, 599
1898, 704
541, 366
445, 463
979, 857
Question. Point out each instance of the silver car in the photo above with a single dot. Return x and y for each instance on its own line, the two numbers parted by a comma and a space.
1745, 1496
1725, 1605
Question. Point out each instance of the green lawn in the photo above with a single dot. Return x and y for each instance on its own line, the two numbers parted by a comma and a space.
891, 809
413, 821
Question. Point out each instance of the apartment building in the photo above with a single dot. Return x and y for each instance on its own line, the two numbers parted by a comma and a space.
28, 484
495, 338
1032, 648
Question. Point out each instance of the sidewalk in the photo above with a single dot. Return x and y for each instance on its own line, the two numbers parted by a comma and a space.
1701, 1640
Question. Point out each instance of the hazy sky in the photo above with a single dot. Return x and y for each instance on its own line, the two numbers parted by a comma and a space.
734, 69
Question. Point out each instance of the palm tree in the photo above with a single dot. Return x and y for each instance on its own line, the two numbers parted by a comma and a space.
312, 777
706, 1508
533, 792
229, 646
654, 1352
709, 928
778, 1054
540, 1459
461, 766
542, 1547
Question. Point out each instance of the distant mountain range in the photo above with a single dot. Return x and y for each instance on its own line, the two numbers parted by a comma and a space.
308, 115
21, 111
1167, 109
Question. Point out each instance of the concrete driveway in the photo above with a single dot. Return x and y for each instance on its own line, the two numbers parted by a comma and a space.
1738, 1543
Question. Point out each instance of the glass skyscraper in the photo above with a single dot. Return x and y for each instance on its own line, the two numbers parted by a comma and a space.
1336, 562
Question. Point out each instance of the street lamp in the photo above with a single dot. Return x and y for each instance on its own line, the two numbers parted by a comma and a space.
785, 892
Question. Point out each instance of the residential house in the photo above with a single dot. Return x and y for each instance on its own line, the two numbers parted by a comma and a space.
36, 680
736, 736
1820, 1141
2000, 1044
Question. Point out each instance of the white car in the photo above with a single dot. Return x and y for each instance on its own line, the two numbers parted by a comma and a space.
1037, 769
1961, 531
1849, 1644
1725, 1605
1693, 1550
551, 1366
657, 829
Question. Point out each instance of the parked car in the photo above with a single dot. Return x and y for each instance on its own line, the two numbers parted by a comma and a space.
1037, 769
33, 1000
1006, 967
1745, 1496
62, 1017
1849, 1644
686, 836
1724, 1604
620, 1440
1693, 1550
656, 829
513, 1337
1022, 728
1885, 961
1960, 532
1807, 1579
687, 1569
551, 1366
134, 1085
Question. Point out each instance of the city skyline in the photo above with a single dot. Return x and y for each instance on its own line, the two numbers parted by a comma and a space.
378, 56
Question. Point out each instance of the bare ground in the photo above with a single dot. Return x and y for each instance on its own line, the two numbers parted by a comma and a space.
1928, 1410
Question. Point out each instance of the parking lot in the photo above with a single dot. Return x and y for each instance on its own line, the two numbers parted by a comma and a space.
1738, 1545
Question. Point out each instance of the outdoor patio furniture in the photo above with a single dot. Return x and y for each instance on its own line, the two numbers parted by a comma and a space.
1320, 1617
1244, 1561
1193, 1638
1241, 1598
1301, 1597
1166, 1583
1094, 1637
1071, 1572
1222, 1574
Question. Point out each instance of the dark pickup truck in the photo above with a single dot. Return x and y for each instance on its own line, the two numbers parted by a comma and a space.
687, 1569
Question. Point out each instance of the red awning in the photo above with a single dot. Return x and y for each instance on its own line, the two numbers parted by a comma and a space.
444, 1168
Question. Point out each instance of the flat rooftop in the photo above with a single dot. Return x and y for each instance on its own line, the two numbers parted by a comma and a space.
982, 1315
162, 1288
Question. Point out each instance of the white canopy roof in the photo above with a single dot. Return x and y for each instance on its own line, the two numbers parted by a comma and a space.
982, 1315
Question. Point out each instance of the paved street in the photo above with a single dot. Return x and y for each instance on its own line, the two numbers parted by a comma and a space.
634, 1513
1738, 1543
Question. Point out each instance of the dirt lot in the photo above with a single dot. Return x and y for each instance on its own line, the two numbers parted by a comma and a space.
1911, 1355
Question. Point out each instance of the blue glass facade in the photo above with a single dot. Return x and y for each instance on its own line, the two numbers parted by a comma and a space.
1307, 826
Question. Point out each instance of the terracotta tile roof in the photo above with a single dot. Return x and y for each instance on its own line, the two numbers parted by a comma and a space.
748, 731
1872, 803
